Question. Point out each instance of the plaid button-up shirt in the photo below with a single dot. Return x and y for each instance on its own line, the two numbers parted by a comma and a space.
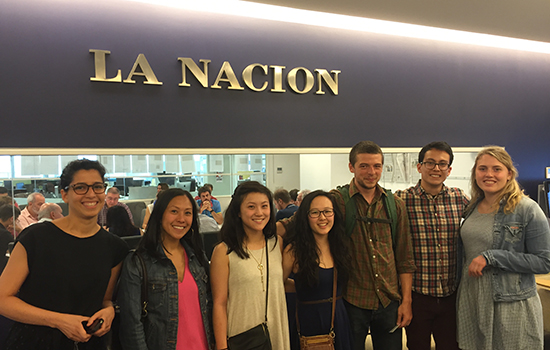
376, 264
435, 223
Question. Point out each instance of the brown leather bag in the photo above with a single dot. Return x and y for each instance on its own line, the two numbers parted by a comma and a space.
323, 341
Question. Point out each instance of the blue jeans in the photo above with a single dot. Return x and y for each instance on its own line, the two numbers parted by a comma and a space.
380, 322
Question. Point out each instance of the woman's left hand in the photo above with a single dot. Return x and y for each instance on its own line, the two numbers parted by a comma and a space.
476, 266
107, 314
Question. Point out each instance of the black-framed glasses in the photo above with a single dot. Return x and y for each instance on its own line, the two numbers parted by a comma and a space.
314, 213
82, 188
431, 165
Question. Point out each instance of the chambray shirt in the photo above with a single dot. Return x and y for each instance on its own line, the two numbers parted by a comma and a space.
521, 249
435, 224
376, 265
159, 329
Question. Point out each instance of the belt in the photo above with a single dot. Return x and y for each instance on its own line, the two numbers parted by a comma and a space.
329, 300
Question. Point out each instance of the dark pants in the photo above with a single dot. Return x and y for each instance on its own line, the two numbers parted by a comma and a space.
435, 316
380, 322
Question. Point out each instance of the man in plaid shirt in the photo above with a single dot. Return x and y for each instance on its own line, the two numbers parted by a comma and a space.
435, 213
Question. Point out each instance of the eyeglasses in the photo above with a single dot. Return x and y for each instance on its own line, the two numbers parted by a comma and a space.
431, 165
82, 188
316, 213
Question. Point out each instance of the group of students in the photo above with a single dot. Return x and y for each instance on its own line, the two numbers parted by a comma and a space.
62, 274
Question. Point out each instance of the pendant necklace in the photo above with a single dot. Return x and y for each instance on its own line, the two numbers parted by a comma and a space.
260, 265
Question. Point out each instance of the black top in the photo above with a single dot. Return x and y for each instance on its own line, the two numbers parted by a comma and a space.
68, 274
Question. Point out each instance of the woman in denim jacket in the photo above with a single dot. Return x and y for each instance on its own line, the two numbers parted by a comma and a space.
505, 241
179, 310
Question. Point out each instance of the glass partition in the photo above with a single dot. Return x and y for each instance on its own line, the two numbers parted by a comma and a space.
138, 174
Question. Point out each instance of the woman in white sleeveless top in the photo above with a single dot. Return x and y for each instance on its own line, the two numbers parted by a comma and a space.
239, 269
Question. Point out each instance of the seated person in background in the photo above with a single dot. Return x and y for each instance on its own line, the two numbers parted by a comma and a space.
7, 220
211, 187
162, 186
149, 209
209, 205
13, 228
29, 215
113, 195
283, 204
118, 222
301, 196
49, 212
293, 195
4, 193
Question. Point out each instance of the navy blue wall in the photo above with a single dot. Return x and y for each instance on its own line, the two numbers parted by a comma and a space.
394, 91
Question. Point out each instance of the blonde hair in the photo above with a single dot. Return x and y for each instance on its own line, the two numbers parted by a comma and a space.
511, 192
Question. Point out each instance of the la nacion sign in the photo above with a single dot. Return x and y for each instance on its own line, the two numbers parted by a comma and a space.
299, 79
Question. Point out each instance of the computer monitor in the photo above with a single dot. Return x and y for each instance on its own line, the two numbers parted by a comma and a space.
187, 183
544, 197
170, 180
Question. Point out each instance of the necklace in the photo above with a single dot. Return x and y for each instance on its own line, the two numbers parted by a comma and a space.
260, 265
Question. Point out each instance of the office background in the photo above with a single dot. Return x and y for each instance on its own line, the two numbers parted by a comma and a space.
398, 92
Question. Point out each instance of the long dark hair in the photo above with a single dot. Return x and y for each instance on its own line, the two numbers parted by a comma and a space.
119, 223
152, 236
304, 246
232, 232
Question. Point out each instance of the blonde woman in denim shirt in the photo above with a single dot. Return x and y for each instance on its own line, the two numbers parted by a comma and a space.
506, 240
179, 312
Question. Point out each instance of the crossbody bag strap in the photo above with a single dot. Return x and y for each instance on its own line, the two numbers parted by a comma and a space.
334, 283
144, 282
267, 268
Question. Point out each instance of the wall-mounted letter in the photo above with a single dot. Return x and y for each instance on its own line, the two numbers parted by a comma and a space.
100, 67
231, 78
277, 78
145, 70
201, 75
247, 76
310, 81
323, 75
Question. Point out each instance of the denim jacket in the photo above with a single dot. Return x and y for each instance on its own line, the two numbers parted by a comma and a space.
521, 248
158, 330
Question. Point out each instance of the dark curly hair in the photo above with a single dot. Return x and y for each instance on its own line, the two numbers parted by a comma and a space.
304, 247
152, 236
76, 165
232, 231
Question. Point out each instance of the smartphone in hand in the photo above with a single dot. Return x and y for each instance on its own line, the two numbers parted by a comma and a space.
91, 329
394, 328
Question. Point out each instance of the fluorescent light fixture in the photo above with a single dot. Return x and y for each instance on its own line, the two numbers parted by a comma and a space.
330, 20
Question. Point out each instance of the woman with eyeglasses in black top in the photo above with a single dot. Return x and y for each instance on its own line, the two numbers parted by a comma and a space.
59, 280
317, 250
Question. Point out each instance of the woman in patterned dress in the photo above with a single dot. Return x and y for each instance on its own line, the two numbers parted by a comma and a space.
506, 240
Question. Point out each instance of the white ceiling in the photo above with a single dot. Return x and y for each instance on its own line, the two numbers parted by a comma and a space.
525, 19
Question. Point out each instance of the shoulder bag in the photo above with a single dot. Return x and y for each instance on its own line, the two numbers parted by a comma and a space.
256, 338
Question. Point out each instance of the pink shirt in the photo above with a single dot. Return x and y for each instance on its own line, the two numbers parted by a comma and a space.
25, 219
191, 334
